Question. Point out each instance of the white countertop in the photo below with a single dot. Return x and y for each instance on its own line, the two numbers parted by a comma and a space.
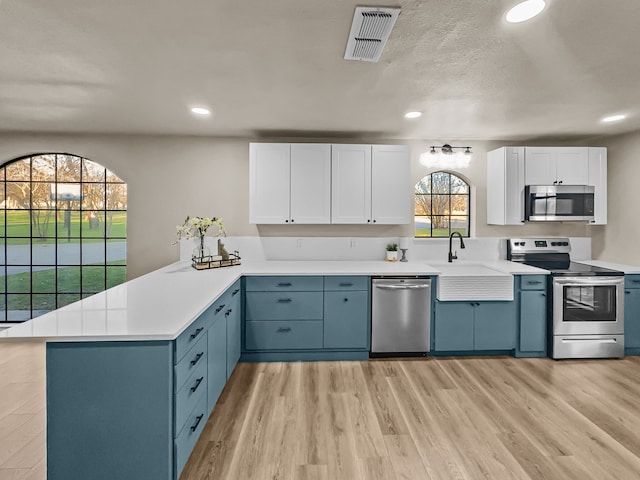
162, 304
627, 269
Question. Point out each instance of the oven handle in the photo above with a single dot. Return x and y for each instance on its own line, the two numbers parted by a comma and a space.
588, 281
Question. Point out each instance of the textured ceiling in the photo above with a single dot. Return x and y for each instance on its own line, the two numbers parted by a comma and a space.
276, 67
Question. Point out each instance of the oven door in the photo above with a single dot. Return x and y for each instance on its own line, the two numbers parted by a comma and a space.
588, 305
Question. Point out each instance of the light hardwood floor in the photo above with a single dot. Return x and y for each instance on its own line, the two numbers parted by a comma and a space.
454, 418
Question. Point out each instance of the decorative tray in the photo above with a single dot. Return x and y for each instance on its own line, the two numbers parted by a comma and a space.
205, 263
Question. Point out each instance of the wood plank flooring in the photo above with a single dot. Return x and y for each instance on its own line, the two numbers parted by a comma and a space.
22, 411
453, 418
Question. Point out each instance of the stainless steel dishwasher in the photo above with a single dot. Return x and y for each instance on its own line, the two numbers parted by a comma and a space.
400, 315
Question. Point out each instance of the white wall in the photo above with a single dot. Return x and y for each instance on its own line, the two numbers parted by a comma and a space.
618, 241
171, 177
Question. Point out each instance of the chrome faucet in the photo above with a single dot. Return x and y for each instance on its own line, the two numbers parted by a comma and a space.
454, 256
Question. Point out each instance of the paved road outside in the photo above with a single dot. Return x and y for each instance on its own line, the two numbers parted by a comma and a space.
68, 254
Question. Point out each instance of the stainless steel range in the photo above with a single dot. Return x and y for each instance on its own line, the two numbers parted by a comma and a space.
585, 311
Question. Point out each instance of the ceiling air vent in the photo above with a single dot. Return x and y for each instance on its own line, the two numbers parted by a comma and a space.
369, 33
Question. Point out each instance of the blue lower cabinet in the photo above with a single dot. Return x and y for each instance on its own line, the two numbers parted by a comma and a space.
110, 410
217, 361
188, 436
495, 326
474, 326
346, 319
234, 326
284, 335
533, 321
632, 320
453, 326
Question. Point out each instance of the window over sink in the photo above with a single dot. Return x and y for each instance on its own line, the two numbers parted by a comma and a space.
442, 206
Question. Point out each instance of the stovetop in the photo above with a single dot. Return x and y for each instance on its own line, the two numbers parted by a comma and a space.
552, 254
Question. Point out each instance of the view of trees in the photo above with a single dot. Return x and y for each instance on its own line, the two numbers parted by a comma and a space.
441, 205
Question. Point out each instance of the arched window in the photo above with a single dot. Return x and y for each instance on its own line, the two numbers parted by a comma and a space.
441, 206
64, 222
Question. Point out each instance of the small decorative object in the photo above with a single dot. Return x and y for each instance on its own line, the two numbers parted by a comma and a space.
392, 252
201, 258
404, 246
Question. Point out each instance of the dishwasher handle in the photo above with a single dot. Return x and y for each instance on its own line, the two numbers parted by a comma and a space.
404, 287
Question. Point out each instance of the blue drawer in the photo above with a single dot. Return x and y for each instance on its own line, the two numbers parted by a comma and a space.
190, 337
186, 440
284, 284
289, 335
632, 281
190, 362
346, 283
533, 282
284, 306
187, 397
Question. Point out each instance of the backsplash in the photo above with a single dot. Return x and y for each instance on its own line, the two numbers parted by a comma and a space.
368, 248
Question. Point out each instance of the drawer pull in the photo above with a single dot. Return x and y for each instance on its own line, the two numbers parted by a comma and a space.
228, 312
627, 292
284, 284
233, 294
635, 281
284, 329
198, 382
534, 282
284, 300
219, 309
196, 333
346, 300
197, 359
195, 425
346, 284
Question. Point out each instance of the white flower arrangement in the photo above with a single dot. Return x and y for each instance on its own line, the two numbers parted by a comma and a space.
197, 227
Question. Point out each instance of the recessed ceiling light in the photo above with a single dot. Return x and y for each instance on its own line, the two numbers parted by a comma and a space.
201, 111
525, 11
613, 118
412, 114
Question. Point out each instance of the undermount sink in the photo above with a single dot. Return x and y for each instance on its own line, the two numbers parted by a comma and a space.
472, 281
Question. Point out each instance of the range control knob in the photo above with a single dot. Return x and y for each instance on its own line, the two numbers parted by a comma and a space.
566, 244
554, 244
522, 244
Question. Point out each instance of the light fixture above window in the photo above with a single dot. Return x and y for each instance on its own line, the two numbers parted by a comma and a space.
524, 11
445, 157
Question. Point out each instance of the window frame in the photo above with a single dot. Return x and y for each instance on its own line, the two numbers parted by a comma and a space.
450, 194
55, 294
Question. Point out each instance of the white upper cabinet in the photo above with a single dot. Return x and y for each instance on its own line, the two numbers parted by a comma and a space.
310, 183
391, 192
289, 183
505, 186
305, 183
370, 184
556, 165
269, 180
598, 178
510, 169
351, 184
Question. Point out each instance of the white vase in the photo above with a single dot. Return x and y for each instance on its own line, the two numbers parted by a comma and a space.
392, 256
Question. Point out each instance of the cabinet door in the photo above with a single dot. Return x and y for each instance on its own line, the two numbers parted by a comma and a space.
217, 360
632, 318
505, 186
598, 178
269, 182
540, 166
233, 317
572, 165
351, 184
346, 319
533, 321
390, 184
310, 183
453, 326
495, 326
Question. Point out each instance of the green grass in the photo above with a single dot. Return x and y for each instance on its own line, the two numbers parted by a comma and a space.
19, 225
69, 283
438, 232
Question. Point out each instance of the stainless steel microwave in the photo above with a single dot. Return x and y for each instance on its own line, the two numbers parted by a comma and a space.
544, 203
